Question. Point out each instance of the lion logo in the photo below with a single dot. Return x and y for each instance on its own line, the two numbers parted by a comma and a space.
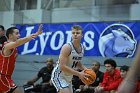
117, 40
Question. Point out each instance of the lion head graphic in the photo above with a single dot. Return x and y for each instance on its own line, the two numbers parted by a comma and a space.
117, 40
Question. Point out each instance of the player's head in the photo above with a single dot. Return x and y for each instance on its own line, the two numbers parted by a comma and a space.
110, 65
1, 30
12, 33
77, 32
123, 71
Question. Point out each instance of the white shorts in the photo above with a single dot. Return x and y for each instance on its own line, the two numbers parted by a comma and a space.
59, 81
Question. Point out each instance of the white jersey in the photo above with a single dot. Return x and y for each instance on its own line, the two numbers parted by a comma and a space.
73, 59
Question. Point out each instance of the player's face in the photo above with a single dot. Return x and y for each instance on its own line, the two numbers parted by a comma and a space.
16, 34
76, 34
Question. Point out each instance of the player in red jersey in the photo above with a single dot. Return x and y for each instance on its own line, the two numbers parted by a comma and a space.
8, 56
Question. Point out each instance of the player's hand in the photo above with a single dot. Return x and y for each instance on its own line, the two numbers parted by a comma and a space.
39, 30
83, 76
99, 89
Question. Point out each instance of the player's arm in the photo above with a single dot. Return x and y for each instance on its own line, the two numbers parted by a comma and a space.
129, 83
36, 78
21, 41
64, 54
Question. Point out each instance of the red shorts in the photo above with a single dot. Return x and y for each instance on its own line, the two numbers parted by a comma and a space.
6, 83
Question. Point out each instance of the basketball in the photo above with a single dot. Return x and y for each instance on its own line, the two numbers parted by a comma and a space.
90, 79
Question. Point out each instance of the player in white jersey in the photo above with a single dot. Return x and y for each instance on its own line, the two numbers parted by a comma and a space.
70, 57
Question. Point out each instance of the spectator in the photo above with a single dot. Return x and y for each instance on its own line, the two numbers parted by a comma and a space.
2, 36
99, 78
123, 72
99, 74
110, 76
45, 74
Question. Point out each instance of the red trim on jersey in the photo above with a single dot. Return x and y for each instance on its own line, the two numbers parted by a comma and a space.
7, 65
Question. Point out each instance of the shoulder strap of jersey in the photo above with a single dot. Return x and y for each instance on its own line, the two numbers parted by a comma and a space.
71, 46
83, 48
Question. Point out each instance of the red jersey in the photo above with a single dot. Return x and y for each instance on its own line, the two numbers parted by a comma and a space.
7, 65
109, 79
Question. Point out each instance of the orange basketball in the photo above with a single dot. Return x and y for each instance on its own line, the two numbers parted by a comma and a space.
90, 79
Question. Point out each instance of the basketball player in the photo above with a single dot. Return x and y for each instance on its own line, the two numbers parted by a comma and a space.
8, 56
128, 85
70, 57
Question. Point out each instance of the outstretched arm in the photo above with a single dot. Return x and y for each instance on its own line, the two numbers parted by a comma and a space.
21, 41
129, 83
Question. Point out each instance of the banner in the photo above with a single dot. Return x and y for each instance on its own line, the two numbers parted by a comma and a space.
107, 39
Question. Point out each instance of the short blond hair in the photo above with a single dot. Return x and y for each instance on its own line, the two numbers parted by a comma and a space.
77, 27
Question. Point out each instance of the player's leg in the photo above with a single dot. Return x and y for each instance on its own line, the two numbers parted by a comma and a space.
65, 90
13, 87
7, 85
15, 90
62, 86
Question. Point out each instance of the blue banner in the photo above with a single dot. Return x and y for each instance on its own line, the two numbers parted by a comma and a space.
107, 39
